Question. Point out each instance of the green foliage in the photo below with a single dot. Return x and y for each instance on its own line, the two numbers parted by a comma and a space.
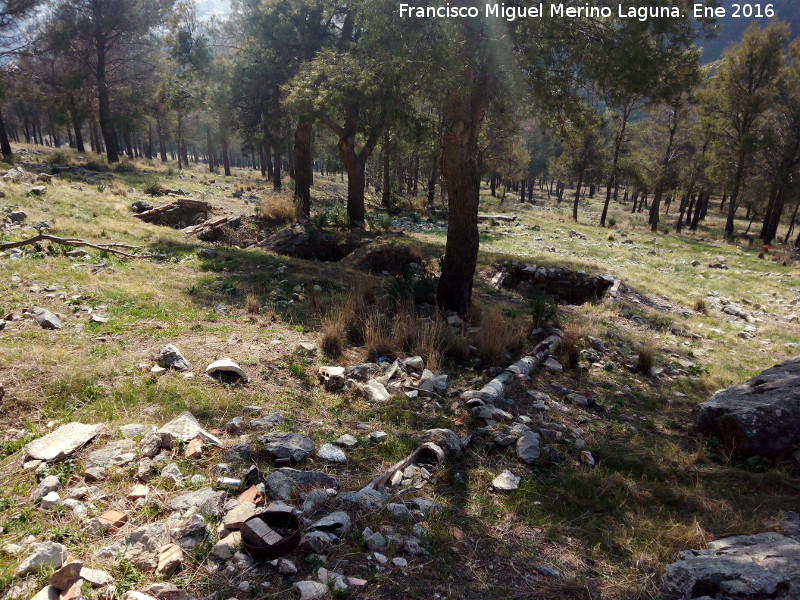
543, 307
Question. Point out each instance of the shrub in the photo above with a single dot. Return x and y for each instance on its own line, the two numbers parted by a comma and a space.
612, 221
124, 166
333, 336
543, 307
95, 164
569, 350
378, 336
59, 157
153, 188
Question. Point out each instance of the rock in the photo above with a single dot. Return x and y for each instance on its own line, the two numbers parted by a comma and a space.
186, 427
46, 555
67, 575
331, 453
294, 446
94, 474
311, 590
446, 439
227, 371
194, 449
337, 523
552, 365
62, 442
378, 436
363, 372
117, 453
267, 422
528, 448
96, 577
167, 591
143, 545
376, 541
283, 482
46, 485
375, 391
133, 430
237, 516
172, 475
578, 399
48, 592
766, 565
506, 482
207, 501
45, 319
400, 562
132, 595
398, 511
380, 558
760, 416
152, 443
225, 548
380, 257
50, 500
169, 357
17, 216
548, 571
286, 567
170, 560
138, 491
345, 441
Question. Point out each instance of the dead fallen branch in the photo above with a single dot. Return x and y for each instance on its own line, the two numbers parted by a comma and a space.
42, 237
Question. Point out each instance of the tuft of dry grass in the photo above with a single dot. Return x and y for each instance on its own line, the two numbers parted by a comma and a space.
251, 304
569, 350
499, 336
378, 336
645, 359
278, 208
333, 336
700, 306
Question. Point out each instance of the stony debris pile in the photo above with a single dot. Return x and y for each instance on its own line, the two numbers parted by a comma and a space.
169, 357
379, 381
572, 287
229, 512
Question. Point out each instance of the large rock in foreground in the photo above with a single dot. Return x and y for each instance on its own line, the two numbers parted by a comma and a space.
62, 442
758, 417
743, 567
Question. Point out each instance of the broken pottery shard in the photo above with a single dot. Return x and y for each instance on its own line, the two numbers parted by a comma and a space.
224, 368
62, 442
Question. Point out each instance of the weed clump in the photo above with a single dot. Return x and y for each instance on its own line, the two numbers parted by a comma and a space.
277, 208
645, 359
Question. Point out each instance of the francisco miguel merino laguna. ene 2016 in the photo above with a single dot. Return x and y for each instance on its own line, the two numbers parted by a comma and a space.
536, 11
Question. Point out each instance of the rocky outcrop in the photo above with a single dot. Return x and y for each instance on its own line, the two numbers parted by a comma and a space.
743, 567
759, 417
572, 287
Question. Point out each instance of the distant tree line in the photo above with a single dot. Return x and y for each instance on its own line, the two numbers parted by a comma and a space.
621, 110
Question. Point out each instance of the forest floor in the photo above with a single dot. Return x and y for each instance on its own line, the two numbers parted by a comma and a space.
608, 530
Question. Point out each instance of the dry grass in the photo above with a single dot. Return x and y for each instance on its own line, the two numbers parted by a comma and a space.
251, 305
645, 359
499, 336
277, 208
700, 306
333, 336
569, 350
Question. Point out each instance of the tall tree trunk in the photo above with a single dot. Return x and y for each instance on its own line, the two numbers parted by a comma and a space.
126, 138
465, 111
303, 170
76, 124
5, 145
276, 166
386, 196
791, 224
104, 110
682, 211
737, 182
432, 181
209, 150
226, 160
577, 197
702, 203
262, 159
656, 207
162, 144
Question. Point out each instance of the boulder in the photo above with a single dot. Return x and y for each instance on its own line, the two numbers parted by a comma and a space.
207, 502
743, 567
44, 556
380, 257
118, 452
760, 416
46, 319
